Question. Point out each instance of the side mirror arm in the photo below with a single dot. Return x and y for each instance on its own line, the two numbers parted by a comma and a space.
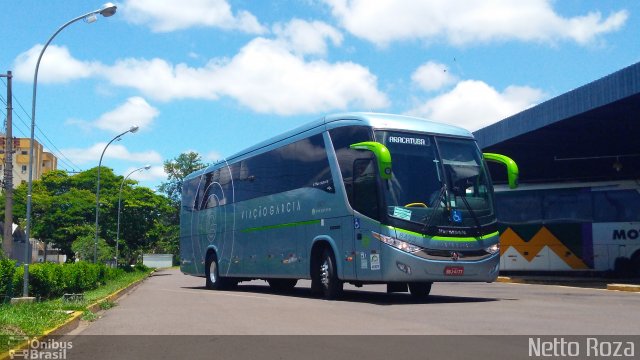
383, 156
512, 168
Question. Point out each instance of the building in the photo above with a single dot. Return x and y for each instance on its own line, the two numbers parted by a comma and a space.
578, 206
45, 161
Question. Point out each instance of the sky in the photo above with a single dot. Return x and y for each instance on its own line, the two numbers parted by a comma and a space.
217, 76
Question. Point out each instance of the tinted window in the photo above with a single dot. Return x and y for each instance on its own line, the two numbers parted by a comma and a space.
189, 189
342, 138
365, 188
519, 207
568, 205
297, 165
217, 189
613, 206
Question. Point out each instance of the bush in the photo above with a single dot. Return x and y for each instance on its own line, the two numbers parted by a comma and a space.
49, 280
7, 271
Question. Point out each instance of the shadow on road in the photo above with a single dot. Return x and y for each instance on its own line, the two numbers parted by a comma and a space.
358, 296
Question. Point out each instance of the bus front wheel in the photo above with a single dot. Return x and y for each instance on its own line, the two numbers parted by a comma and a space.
331, 285
420, 290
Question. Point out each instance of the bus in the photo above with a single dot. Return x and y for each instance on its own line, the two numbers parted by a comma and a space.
358, 198
590, 227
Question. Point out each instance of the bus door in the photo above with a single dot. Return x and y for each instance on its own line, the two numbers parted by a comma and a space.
366, 203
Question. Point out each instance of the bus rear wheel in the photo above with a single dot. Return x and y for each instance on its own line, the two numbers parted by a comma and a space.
331, 285
420, 290
282, 284
214, 281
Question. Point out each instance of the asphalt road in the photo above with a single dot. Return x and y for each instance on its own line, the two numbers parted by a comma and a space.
170, 303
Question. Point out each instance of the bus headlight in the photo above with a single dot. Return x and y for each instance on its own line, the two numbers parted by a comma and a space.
398, 244
493, 248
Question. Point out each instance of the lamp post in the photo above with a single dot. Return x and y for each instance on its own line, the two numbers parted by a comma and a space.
107, 10
146, 167
132, 130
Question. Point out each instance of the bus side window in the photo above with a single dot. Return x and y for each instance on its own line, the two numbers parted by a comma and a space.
365, 189
342, 138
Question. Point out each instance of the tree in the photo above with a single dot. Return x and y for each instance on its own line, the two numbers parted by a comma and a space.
63, 213
178, 169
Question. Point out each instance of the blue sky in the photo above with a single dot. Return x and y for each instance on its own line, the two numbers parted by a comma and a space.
216, 76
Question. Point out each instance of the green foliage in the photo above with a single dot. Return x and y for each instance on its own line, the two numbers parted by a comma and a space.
63, 212
7, 271
177, 169
84, 247
49, 280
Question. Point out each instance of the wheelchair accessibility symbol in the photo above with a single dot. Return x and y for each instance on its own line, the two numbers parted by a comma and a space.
456, 216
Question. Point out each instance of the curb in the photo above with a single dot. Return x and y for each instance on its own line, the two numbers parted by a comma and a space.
74, 320
551, 281
506, 279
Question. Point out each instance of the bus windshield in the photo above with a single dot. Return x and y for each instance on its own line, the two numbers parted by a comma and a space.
437, 182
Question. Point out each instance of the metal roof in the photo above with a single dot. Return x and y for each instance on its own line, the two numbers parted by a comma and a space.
577, 136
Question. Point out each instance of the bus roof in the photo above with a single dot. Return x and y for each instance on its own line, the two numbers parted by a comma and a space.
377, 121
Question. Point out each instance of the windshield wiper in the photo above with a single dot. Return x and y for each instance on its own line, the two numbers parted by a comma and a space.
434, 210
473, 215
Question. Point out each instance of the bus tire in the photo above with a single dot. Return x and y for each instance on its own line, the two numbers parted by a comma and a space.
214, 280
420, 290
282, 284
331, 285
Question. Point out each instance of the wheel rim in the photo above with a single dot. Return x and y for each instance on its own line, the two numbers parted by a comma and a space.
213, 272
324, 273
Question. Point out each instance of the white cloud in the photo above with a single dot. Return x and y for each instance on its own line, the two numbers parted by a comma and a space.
160, 80
155, 173
212, 157
432, 76
462, 22
473, 104
265, 76
167, 15
56, 66
135, 111
304, 37
114, 151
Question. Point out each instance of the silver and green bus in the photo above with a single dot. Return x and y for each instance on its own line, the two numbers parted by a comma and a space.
358, 198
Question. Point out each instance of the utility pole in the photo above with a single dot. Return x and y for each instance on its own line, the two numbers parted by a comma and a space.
7, 243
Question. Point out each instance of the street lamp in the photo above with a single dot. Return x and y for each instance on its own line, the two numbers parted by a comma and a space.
107, 10
146, 167
132, 130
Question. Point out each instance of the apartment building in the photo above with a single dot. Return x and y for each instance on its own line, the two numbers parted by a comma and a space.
44, 161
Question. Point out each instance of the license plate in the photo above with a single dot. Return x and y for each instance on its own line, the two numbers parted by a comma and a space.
454, 270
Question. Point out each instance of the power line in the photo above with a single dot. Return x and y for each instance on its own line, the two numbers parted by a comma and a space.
61, 156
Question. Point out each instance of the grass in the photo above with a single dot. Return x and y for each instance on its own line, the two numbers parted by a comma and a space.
33, 319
